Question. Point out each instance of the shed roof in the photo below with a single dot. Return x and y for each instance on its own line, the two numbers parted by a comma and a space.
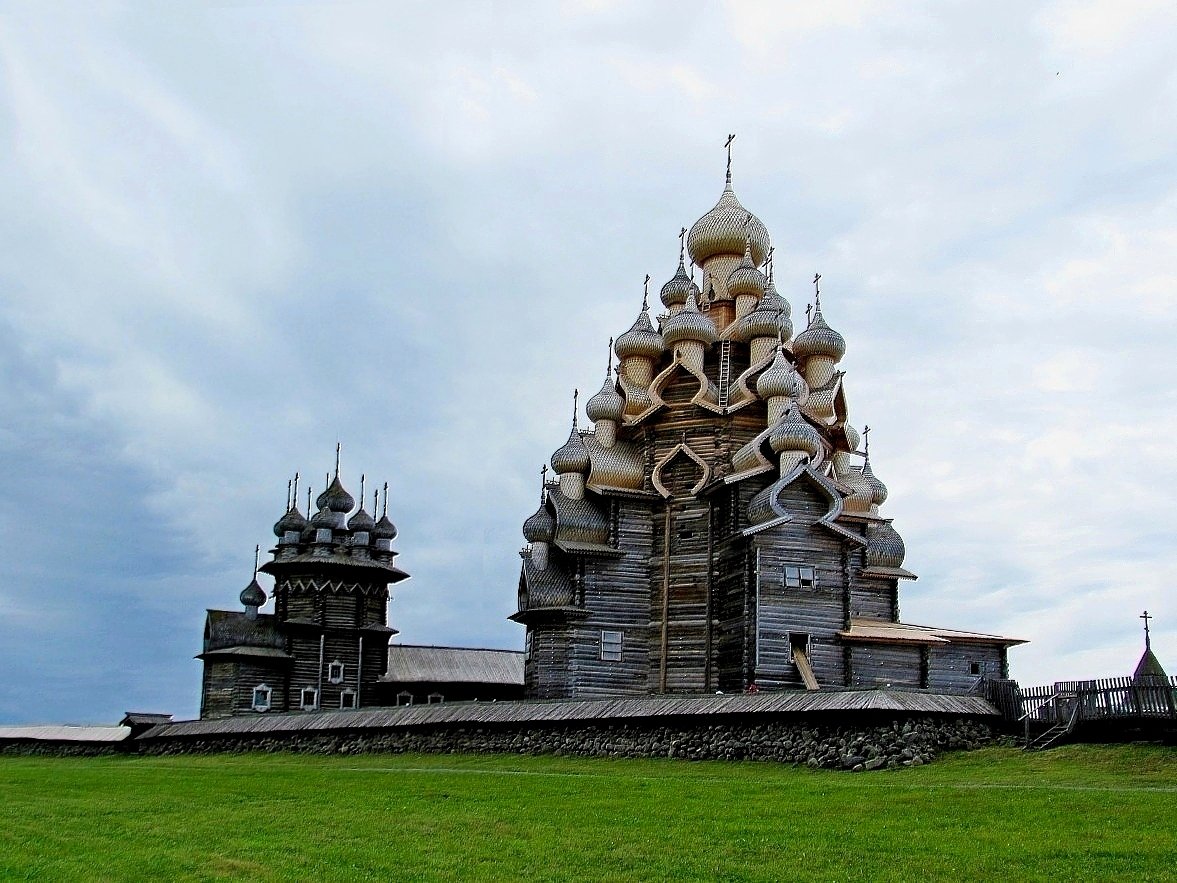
410, 663
882, 631
633, 708
64, 734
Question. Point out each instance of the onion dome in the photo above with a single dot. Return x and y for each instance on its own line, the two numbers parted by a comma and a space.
781, 379
606, 404
573, 456
884, 546
384, 529
878, 490
640, 340
794, 434
728, 229
689, 324
679, 288
819, 339
336, 498
540, 527
770, 318
746, 279
853, 437
325, 518
361, 521
292, 520
253, 595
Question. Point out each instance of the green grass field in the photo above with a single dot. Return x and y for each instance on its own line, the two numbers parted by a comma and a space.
1075, 813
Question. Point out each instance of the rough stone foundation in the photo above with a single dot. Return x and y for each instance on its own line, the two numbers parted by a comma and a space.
822, 744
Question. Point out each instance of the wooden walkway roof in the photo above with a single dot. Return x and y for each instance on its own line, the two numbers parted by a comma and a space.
617, 710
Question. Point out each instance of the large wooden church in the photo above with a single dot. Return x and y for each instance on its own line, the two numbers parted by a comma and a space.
719, 525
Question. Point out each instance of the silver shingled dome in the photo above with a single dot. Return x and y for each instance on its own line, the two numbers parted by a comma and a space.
884, 546
640, 340
746, 279
606, 404
819, 339
253, 595
540, 527
572, 456
728, 229
794, 434
689, 324
781, 379
679, 288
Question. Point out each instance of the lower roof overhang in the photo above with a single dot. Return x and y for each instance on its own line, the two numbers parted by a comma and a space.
548, 615
239, 653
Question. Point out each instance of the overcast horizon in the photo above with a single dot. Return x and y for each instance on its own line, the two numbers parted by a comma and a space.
237, 234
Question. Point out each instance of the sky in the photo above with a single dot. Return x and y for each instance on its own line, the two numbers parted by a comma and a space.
236, 233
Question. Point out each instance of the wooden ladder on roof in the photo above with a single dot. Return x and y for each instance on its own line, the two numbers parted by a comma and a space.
725, 371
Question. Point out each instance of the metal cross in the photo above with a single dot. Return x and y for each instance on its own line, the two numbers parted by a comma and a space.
728, 145
682, 243
768, 260
646, 293
1146, 618
866, 440
609, 364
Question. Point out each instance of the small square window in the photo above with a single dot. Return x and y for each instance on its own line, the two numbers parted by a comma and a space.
404, 698
798, 576
974, 668
347, 699
611, 643
261, 697
309, 699
435, 698
335, 672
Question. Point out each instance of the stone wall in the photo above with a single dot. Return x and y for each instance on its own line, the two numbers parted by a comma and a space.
827, 742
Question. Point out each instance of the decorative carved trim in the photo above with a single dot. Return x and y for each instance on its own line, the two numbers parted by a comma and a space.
685, 449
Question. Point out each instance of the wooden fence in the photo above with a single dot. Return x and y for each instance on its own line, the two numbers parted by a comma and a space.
1101, 699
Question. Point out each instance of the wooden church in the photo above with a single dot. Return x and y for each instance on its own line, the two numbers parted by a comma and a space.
718, 526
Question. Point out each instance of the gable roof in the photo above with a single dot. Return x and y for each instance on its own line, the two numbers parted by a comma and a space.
408, 663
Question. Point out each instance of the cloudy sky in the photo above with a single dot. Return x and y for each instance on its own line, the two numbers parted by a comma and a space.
238, 232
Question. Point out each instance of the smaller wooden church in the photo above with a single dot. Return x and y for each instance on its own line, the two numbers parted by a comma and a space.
326, 645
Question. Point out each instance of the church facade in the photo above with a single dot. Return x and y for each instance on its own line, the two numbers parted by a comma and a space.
719, 526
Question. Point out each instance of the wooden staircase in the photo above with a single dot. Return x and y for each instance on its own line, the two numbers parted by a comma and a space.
1053, 735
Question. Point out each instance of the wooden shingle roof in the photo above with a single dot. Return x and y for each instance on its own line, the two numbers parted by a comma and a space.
409, 663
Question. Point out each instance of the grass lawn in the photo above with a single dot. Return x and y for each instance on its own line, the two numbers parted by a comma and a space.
1075, 813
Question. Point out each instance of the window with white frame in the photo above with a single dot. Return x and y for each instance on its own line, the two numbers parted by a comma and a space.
404, 698
261, 697
308, 699
347, 699
436, 698
335, 672
611, 646
798, 576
